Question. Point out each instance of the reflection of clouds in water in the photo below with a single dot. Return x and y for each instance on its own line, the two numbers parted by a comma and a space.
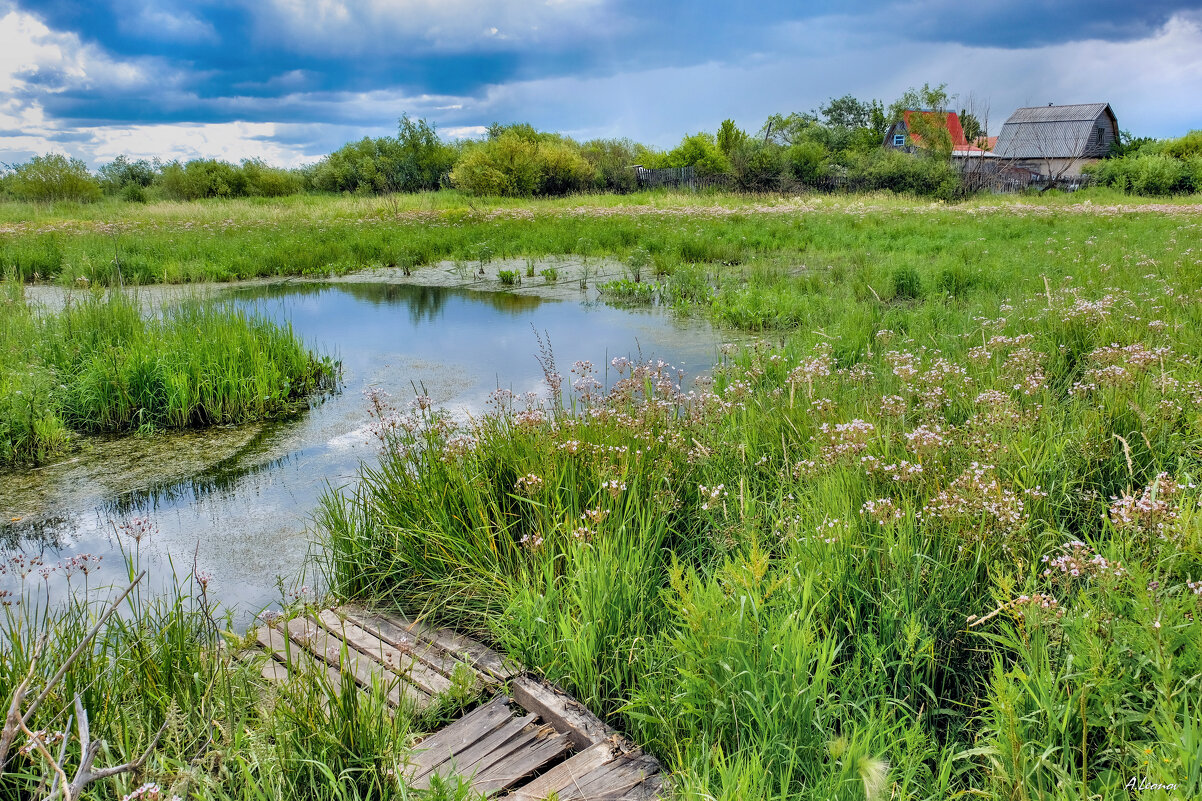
356, 438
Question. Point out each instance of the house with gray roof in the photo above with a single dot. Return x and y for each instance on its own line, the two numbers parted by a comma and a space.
1057, 141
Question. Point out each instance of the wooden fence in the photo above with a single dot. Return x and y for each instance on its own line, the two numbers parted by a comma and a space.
681, 178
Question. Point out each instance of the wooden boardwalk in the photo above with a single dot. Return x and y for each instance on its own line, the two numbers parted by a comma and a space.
529, 742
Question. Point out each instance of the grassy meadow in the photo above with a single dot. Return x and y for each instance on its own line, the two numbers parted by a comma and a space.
935, 534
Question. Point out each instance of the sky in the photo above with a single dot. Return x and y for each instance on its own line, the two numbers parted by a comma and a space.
288, 81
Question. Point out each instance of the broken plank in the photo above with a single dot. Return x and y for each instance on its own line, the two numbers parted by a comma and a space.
405, 665
567, 773
565, 713
321, 643
526, 737
440, 745
516, 766
613, 779
461, 762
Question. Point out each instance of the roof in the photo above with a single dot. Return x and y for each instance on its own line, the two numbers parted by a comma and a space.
954, 129
1042, 132
1078, 113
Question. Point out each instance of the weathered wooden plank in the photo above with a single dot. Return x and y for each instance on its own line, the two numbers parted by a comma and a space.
613, 779
517, 765
649, 789
310, 635
529, 740
405, 665
296, 658
562, 711
405, 640
439, 746
470, 766
461, 762
475, 654
566, 773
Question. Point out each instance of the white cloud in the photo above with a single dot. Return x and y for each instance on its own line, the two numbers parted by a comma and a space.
37, 59
230, 141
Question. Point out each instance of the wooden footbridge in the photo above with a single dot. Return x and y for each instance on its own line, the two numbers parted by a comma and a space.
529, 742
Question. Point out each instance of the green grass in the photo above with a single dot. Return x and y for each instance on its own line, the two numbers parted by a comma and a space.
102, 365
823, 575
163, 661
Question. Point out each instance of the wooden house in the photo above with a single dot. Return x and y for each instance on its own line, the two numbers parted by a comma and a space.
1057, 141
903, 136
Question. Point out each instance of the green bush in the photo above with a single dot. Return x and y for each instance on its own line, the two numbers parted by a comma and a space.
121, 173
613, 160
516, 164
53, 177
265, 181
414, 160
756, 165
699, 151
1172, 166
808, 162
203, 178
1147, 174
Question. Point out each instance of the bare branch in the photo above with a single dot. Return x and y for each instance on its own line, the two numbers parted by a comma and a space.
13, 720
38, 745
85, 775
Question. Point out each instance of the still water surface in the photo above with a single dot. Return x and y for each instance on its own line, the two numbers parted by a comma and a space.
237, 500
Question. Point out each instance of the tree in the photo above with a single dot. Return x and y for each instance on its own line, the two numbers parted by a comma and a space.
699, 151
121, 172
927, 98
613, 159
54, 177
423, 158
791, 129
847, 112
730, 138
973, 130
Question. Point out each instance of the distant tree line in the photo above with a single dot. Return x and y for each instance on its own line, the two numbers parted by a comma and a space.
838, 144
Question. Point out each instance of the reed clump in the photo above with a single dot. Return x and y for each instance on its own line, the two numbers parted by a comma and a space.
102, 364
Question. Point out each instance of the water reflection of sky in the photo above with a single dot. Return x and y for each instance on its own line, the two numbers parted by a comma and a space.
237, 500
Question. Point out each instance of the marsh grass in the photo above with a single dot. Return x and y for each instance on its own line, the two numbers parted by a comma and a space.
102, 364
915, 545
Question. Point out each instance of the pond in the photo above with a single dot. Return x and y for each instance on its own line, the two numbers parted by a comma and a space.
236, 501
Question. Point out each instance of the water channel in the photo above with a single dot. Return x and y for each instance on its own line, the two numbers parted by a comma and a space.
237, 500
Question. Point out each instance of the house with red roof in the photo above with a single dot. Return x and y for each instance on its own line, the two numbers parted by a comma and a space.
907, 133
